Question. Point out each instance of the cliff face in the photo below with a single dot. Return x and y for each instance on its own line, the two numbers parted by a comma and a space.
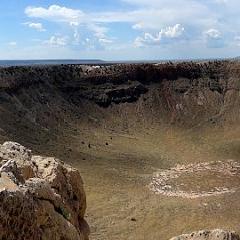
186, 93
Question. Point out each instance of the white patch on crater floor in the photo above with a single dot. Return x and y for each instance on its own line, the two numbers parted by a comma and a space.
160, 181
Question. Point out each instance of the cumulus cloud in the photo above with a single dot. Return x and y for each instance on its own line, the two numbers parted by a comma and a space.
73, 17
213, 33
206, 21
37, 26
214, 38
173, 32
57, 41
168, 33
137, 26
147, 39
148, 16
56, 13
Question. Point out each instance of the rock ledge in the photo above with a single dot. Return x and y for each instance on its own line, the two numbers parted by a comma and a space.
41, 197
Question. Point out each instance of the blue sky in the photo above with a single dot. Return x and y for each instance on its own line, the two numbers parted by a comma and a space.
119, 29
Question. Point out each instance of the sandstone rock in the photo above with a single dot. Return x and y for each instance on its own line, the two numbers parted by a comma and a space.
41, 197
216, 234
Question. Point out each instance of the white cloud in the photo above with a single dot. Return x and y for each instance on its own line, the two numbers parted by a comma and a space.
73, 17
37, 26
173, 32
164, 35
56, 13
213, 33
13, 44
77, 20
137, 26
151, 15
99, 31
207, 22
156, 16
57, 41
214, 38
148, 39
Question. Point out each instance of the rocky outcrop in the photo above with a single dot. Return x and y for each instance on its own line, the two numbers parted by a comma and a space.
216, 234
121, 94
114, 83
41, 197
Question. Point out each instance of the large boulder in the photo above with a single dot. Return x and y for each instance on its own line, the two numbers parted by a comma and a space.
216, 234
41, 197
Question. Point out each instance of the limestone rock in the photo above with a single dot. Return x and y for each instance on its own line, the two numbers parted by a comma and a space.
216, 234
41, 197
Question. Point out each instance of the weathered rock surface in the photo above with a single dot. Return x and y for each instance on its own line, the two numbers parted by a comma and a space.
41, 197
188, 94
216, 234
